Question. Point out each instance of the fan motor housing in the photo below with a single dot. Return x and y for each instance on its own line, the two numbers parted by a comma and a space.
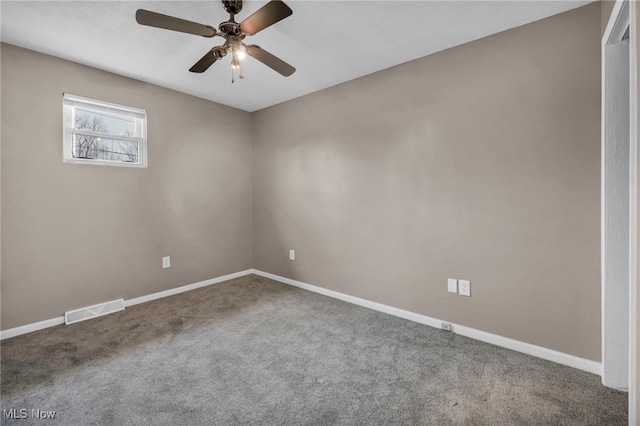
232, 6
230, 28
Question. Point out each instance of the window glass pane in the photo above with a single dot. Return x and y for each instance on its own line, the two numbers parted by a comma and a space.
97, 132
90, 147
112, 124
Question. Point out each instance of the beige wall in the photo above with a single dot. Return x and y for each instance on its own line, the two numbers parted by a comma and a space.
481, 162
605, 12
76, 235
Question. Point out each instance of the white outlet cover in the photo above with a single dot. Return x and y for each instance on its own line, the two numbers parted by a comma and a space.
464, 287
452, 285
292, 255
166, 262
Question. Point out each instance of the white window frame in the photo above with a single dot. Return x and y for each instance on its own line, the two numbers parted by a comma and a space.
71, 102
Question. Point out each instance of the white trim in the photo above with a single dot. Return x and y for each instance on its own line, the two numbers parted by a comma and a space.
104, 106
189, 287
618, 23
633, 216
619, 20
603, 223
494, 339
24, 329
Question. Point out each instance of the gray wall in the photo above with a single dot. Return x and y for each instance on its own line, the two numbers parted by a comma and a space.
481, 162
76, 235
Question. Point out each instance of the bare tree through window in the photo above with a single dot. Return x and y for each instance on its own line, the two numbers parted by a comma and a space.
100, 148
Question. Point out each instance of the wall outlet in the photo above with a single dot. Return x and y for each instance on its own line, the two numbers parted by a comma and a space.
464, 287
446, 326
166, 262
292, 255
452, 285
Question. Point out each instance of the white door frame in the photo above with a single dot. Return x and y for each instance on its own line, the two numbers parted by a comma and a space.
634, 309
615, 203
617, 24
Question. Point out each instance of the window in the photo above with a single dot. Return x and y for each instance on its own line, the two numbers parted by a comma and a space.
97, 132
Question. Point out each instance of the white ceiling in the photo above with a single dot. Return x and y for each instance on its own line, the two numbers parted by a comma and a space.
329, 42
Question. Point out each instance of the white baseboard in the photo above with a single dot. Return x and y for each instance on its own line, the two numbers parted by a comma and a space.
24, 329
494, 339
189, 287
505, 342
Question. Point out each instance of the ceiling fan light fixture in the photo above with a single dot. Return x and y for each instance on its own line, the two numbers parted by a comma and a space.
235, 61
242, 53
234, 33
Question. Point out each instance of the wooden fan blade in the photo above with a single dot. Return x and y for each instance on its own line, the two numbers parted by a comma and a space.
203, 64
269, 60
158, 20
266, 16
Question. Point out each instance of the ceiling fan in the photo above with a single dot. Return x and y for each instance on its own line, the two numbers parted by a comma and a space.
234, 33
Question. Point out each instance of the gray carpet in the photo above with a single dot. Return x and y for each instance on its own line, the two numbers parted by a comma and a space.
253, 351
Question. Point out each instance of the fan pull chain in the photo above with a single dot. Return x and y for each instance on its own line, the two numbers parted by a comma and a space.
233, 74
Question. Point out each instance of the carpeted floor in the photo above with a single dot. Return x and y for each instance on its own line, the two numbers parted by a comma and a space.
253, 351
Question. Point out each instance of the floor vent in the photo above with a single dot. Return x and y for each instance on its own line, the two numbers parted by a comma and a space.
82, 314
